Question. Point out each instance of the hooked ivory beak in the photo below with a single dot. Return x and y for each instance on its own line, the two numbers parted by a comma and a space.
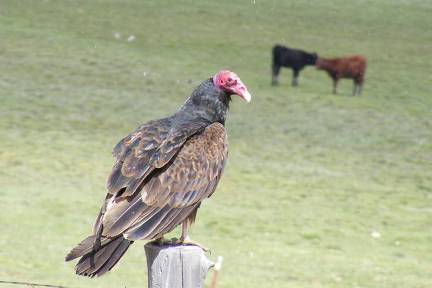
241, 90
246, 96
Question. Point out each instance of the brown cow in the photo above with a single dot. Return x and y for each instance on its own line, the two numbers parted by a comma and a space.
353, 67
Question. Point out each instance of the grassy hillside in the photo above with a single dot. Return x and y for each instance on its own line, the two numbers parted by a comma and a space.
320, 190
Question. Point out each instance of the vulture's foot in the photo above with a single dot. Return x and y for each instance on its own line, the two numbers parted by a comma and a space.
162, 241
188, 241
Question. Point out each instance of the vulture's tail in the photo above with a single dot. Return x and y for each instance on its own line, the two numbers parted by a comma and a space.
97, 261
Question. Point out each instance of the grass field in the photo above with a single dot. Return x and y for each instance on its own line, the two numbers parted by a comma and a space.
320, 190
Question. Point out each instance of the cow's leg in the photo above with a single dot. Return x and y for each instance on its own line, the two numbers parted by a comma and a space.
335, 83
355, 88
295, 77
360, 87
275, 74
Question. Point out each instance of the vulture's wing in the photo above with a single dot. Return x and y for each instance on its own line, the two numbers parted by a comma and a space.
171, 193
148, 148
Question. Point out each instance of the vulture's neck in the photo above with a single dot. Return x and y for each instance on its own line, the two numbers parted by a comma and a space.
207, 102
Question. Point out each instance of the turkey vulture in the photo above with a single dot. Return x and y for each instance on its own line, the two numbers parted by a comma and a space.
163, 170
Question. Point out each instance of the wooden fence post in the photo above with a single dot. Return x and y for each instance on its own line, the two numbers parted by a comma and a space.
176, 266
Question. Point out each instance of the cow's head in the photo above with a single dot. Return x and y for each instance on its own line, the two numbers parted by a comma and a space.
311, 58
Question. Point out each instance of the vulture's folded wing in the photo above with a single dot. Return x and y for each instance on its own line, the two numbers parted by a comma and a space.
134, 154
172, 192
149, 147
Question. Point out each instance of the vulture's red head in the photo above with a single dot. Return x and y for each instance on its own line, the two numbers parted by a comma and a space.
230, 83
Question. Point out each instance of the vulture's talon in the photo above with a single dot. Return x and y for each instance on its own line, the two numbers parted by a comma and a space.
189, 242
162, 241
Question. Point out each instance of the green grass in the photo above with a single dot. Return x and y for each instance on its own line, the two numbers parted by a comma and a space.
310, 175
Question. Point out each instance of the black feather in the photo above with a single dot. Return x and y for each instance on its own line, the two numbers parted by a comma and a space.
91, 263
82, 248
115, 257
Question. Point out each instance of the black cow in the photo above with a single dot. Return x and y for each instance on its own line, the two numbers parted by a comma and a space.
290, 58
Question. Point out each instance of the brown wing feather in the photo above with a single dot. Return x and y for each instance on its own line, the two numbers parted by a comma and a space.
134, 153
173, 191
134, 162
148, 148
